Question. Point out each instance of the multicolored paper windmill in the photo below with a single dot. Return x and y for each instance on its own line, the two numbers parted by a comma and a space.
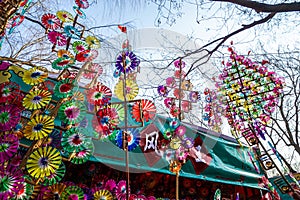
133, 138
75, 140
37, 99
72, 192
131, 90
64, 16
103, 194
100, 95
9, 144
50, 21
43, 162
129, 59
8, 92
10, 116
39, 127
64, 88
11, 181
71, 112
56, 176
35, 75
57, 38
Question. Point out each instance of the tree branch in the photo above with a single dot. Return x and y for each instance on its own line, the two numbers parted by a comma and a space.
263, 7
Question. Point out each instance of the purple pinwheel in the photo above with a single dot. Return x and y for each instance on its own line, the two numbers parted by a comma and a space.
131, 62
8, 146
9, 117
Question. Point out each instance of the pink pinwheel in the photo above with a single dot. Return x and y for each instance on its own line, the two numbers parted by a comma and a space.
9, 117
57, 38
50, 21
8, 146
94, 69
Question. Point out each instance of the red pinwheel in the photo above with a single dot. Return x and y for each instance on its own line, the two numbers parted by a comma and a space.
57, 38
82, 3
87, 55
99, 95
143, 110
8, 91
94, 69
50, 21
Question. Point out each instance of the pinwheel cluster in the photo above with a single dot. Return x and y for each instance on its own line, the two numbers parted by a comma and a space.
61, 29
213, 110
250, 92
178, 92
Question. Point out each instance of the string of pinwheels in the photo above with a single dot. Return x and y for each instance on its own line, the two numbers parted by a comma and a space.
248, 93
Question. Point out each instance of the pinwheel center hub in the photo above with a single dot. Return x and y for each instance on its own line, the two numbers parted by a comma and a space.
38, 127
4, 147
37, 98
35, 74
104, 120
128, 89
65, 87
50, 21
5, 91
4, 117
44, 162
98, 95
76, 140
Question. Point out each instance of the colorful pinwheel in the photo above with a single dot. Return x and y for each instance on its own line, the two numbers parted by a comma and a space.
72, 32
119, 109
93, 42
121, 190
63, 63
53, 139
43, 162
99, 95
75, 139
127, 60
11, 181
35, 75
82, 4
143, 110
8, 91
8, 146
179, 63
10, 116
56, 176
62, 53
36, 99
72, 192
57, 38
64, 88
131, 90
71, 112
79, 46
25, 191
86, 55
133, 139
103, 195
107, 119
64, 16
57, 189
39, 127
50, 21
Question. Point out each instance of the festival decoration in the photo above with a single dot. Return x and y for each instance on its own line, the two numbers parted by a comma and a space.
39, 127
9, 116
36, 99
8, 147
35, 75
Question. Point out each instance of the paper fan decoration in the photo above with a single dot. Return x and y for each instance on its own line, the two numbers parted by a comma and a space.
131, 90
71, 112
8, 146
103, 195
8, 91
56, 176
119, 109
11, 181
107, 119
35, 75
75, 140
50, 21
64, 88
43, 162
62, 53
87, 55
92, 71
25, 191
133, 139
99, 95
63, 63
143, 110
57, 189
79, 12
79, 46
130, 60
53, 139
72, 32
10, 116
82, 156
39, 127
37, 99
93, 42
57, 38
64, 16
